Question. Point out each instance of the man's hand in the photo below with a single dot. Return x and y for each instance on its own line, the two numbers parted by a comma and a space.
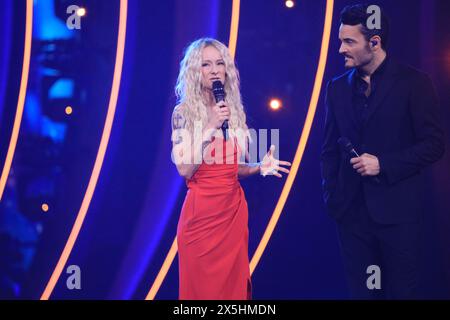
366, 165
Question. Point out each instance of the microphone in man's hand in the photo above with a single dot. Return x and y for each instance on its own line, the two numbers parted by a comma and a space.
347, 145
219, 95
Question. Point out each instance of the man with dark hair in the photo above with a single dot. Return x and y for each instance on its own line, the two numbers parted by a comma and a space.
389, 114
358, 15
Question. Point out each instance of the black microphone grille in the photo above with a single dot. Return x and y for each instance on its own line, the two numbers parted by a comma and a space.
217, 85
218, 90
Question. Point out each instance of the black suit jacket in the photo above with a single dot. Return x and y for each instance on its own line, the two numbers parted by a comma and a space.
403, 130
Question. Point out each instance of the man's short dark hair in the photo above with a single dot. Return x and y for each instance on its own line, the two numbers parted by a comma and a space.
357, 14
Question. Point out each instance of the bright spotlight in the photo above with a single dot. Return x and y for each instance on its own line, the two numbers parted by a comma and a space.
275, 104
289, 4
81, 12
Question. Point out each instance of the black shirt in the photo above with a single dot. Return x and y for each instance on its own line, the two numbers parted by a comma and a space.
361, 103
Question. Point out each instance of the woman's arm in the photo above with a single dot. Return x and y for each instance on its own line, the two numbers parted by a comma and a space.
183, 152
248, 169
268, 166
187, 153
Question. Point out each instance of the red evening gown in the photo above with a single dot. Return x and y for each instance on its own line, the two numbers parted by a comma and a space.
212, 231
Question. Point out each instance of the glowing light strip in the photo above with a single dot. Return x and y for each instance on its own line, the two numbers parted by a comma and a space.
100, 154
303, 138
163, 271
173, 249
21, 99
232, 43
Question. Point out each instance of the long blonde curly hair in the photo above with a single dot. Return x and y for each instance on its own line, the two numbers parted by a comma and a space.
188, 88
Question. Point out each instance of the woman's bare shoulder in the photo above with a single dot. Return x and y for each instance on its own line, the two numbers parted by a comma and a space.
180, 108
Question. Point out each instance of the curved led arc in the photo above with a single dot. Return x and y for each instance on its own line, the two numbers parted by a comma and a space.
100, 154
173, 249
303, 138
21, 99
163, 271
232, 43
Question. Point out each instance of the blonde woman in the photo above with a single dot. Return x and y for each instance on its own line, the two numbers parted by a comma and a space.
212, 230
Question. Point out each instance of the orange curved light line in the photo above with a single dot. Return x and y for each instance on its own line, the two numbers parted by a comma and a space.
303, 138
100, 154
21, 100
173, 249
232, 43
163, 271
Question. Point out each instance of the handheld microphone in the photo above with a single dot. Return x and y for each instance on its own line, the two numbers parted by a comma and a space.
219, 95
346, 144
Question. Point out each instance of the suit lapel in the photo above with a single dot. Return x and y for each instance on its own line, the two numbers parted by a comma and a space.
348, 101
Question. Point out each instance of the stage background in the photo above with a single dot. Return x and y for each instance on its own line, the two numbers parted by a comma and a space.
132, 218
